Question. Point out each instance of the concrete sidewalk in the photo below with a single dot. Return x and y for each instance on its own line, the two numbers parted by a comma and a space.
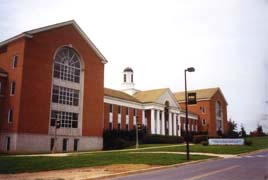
192, 153
89, 152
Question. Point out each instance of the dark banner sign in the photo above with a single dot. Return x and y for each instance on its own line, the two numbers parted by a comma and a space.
192, 98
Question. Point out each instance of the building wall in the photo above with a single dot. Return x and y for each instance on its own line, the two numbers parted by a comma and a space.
6, 62
210, 113
37, 81
115, 115
32, 99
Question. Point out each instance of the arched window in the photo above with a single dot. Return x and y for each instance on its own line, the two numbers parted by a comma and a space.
66, 89
67, 65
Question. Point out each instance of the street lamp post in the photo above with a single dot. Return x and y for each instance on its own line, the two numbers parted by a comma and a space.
190, 69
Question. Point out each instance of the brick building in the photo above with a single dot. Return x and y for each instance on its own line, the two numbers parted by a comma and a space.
49, 74
211, 109
156, 109
56, 74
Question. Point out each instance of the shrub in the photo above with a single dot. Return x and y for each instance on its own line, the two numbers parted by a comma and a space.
204, 143
118, 143
199, 138
160, 139
247, 142
118, 139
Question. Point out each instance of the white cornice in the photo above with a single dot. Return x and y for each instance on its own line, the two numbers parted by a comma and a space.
30, 34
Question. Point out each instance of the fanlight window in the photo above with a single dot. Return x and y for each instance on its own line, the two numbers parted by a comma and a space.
67, 65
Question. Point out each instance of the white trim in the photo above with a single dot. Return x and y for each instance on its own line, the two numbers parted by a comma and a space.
11, 87
9, 115
121, 102
15, 38
3, 74
195, 117
30, 34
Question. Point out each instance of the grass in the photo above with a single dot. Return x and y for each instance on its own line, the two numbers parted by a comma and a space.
258, 143
13, 164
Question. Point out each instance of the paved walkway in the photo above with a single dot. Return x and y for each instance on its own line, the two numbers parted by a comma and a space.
88, 152
192, 153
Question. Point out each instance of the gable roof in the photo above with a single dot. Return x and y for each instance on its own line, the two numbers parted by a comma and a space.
29, 34
149, 95
201, 94
119, 95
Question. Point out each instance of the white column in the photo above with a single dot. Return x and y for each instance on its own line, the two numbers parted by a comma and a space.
170, 124
174, 124
158, 121
152, 122
143, 117
163, 123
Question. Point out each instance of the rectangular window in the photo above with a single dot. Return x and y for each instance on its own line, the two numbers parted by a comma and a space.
3, 49
12, 88
127, 110
110, 126
67, 119
125, 78
63, 95
76, 144
111, 108
64, 145
135, 112
203, 122
52, 143
119, 126
119, 109
10, 116
8, 143
15, 61
127, 127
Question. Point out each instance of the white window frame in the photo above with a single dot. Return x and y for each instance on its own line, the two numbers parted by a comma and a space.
204, 120
15, 61
13, 83
10, 115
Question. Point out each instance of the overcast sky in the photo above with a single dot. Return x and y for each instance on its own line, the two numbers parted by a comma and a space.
225, 40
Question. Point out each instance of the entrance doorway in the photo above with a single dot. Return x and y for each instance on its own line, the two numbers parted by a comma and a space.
64, 145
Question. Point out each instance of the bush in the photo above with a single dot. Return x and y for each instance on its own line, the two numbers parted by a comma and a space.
199, 138
160, 139
192, 134
204, 143
119, 139
247, 142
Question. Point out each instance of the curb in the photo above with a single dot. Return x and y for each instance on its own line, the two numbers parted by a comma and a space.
252, 152
154, 169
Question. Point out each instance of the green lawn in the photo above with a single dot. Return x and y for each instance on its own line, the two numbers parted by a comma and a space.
17, 164
258, 143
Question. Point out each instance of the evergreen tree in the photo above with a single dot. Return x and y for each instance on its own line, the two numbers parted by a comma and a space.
243, 132
232, 129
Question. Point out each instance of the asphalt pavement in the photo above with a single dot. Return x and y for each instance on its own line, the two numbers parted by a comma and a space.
248, 167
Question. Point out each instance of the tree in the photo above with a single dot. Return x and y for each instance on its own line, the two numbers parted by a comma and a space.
232, 129
260, 131
242, 132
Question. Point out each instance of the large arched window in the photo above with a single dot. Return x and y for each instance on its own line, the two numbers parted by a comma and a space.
67, 65
219, 118
66, 89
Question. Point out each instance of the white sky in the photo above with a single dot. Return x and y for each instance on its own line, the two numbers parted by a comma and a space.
225, 40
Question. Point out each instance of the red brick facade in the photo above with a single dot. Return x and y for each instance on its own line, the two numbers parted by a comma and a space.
33, 77
209, 114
